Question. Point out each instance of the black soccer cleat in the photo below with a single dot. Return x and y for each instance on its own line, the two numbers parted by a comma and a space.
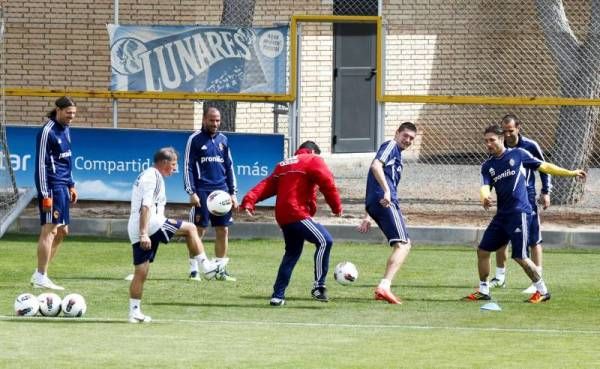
319, 294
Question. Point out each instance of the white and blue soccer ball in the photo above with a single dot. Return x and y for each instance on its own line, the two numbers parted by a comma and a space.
26, 304
73, 305
345, 273
215, 271
219, 203
49, 304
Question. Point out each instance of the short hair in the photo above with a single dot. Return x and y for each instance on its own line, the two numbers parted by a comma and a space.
311, 145
61, 103
206, 108
511, 118
495, 129
407, 126
166, 153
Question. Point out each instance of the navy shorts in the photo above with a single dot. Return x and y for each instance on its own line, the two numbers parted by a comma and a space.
59, 213
535, 232
200, 215
164, 235
512, 227
390, 221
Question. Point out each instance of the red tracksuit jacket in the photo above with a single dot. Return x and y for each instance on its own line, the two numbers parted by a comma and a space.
295, 181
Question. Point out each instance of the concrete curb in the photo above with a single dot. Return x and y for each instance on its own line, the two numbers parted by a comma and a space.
117, 228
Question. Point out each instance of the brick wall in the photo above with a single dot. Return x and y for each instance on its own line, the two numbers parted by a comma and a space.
432, 47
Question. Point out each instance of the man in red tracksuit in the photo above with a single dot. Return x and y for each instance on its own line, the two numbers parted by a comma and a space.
295, 181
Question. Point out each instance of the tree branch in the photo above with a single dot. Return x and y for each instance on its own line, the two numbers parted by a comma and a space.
560, 38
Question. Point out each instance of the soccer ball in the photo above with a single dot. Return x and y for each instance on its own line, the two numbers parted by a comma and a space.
219, 203
26, 304
345, 273
49, 304
73, 305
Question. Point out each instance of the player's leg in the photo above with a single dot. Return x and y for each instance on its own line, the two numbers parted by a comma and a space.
141, 261
221, 247
318, 235
61, 233
536, 256
60, 216
294, 242
391, 223
493, 239
136, 289
45, 242
221, 226
199, 217
483, 270
499, 279
194, 244
535, 244
519, 241
51, 236
40, 278
221, 242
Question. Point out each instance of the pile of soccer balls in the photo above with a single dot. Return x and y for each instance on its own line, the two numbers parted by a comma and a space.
50, 304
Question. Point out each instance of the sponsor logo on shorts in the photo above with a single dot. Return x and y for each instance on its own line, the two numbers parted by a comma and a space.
55, 214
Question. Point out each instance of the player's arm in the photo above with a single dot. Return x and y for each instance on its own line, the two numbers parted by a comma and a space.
377, 170
230, 177
43, 157
263, 190
485, 191
324, 179
144, 221
485, 196
545, 178
73, 194
365, 224
188, 173
555, 170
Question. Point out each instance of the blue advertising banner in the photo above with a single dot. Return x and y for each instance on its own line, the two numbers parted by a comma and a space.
107, 161
198, 59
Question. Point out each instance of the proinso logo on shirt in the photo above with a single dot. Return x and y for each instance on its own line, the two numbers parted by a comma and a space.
211, 159
505, 174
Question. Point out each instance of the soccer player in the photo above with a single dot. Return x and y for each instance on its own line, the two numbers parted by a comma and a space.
381, 204
209, 167
295, 182
505, 171
55, 186
148, 227
513, 138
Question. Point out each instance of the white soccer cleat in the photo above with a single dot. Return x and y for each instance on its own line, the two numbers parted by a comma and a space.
138, 317
529, 290
45, 282
195, 276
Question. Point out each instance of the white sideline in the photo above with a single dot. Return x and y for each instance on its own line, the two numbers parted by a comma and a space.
302, 324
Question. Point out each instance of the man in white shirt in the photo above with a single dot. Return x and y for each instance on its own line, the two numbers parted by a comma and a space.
148, 227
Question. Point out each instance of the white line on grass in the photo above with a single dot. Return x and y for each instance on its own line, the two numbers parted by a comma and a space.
304, 324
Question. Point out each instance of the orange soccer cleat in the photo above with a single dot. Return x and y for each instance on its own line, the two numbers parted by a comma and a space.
386, 295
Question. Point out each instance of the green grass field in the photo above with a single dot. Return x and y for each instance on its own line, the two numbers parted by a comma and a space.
230, 325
